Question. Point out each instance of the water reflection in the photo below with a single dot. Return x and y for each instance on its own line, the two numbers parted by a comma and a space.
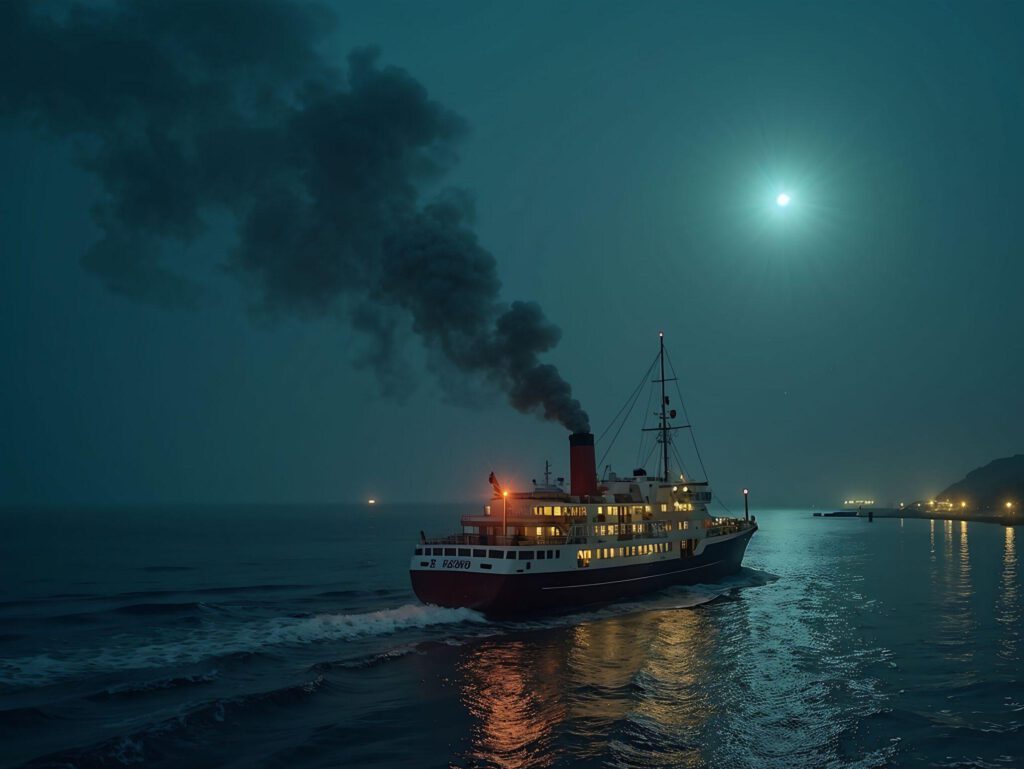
588, 691
933, 566
956, 622
964, 582
1008, 608
513, 691
677, 700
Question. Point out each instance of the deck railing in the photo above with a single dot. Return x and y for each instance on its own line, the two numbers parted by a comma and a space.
574, 536
730, 526
494, 540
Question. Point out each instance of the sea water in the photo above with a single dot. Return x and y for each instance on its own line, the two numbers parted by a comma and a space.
289, 637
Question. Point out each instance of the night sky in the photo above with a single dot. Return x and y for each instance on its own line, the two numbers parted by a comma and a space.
286, 253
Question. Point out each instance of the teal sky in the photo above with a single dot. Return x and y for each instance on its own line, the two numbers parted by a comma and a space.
625, 160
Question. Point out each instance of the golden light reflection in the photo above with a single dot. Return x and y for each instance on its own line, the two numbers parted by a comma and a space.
1008, 607
520, 694
608, 655
965, 558
1009, 562
514, 692
678, 700
933, 563
955, 611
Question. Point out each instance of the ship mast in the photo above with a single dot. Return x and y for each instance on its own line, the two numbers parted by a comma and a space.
664, 417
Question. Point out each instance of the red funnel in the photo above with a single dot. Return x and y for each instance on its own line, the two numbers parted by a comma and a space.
582, 465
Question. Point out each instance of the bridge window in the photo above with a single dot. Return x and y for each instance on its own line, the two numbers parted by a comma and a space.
418, 551
464, 551
499, 554
438, 551
525, 555
479, 553
449, 551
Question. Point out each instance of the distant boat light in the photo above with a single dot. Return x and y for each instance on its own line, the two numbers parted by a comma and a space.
783, 199
371, 501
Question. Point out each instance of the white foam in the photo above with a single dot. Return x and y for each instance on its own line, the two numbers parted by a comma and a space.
218, 641
345, 627
129, 653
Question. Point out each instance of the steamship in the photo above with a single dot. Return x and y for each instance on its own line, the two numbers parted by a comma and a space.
550, 549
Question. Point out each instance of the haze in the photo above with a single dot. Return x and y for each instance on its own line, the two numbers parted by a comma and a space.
863, 341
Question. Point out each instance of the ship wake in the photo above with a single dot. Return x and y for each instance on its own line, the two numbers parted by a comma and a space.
219, 641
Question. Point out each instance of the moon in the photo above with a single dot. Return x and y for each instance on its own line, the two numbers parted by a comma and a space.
782, 200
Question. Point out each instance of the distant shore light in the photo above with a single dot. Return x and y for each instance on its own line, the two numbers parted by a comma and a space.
783, 199
371, 501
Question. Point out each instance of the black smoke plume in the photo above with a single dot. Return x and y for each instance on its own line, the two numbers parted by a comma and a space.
201, 108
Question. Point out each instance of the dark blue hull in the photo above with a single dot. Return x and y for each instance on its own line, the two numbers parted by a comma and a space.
526, 593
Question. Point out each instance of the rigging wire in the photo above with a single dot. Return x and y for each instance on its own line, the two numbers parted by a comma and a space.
679, 459
647, 458
631, 402
686, 416
647, 412
693, 436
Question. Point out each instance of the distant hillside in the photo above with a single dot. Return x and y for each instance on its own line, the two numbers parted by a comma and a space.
992, 486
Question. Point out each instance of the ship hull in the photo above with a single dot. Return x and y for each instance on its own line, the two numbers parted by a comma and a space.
526, 593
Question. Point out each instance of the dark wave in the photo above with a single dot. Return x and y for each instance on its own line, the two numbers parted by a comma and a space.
158, 608
23, 718
135, 689
369, 660
166, 568
341, 594
136, 609
142, 594
251, 588
46, 598
147, 745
